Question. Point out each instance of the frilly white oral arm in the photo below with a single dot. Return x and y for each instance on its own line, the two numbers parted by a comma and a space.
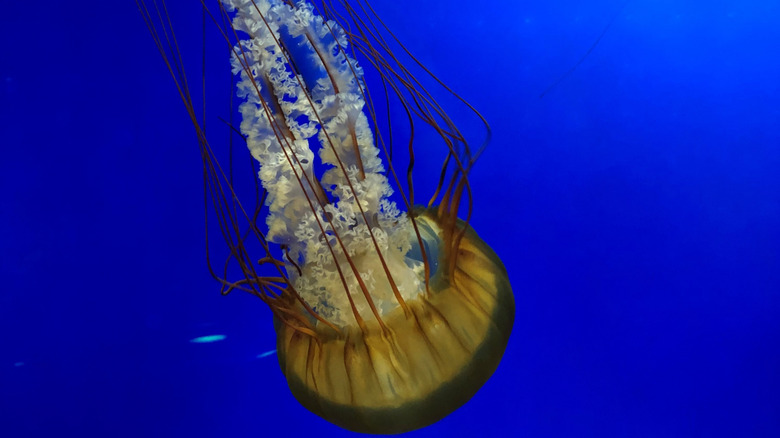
301, 88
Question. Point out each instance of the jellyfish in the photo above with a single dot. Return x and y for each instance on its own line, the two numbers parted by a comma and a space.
387, 318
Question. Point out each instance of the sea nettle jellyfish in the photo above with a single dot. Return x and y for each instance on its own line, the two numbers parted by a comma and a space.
386, 320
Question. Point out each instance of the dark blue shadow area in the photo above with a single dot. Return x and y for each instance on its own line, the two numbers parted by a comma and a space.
636, 207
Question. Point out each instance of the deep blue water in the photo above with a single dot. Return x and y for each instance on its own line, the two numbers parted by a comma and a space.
636, 207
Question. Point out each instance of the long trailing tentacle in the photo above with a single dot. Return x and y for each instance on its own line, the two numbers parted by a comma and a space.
291, 110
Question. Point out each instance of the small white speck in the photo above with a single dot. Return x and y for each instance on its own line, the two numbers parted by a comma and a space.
266, 354
207, 339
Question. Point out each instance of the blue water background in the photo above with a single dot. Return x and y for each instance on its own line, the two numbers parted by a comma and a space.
636, 207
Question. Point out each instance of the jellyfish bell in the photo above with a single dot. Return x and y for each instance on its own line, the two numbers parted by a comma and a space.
412, 365
386, 320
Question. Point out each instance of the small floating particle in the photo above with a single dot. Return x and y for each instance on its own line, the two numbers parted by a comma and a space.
266, 354
18, 364
207, 339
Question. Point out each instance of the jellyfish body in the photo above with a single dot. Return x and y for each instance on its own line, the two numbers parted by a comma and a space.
425, 362
386, 321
